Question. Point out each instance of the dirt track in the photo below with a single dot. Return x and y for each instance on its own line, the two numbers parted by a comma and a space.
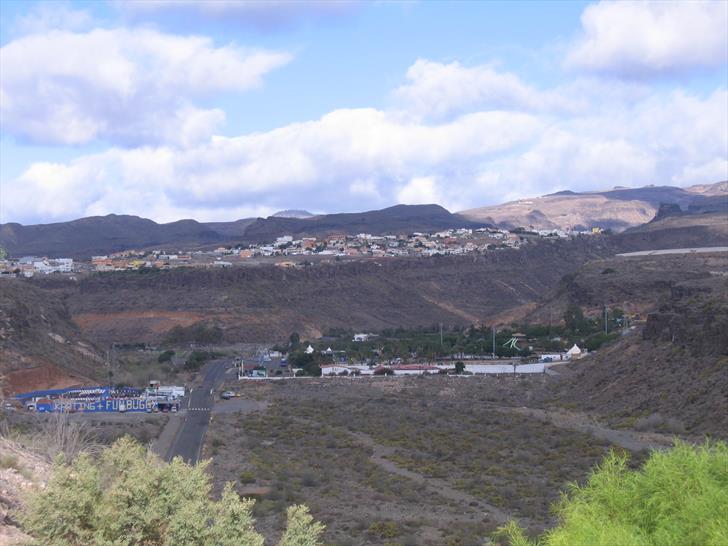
628, 439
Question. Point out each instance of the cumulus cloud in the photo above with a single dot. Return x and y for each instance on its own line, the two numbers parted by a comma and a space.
437, 90
263, 14
129, 87
359, 159
421, 190
640, 39
316, 165
649, 142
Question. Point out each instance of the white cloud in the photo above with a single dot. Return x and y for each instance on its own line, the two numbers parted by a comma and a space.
365, 189
47, 16
364, 158
317, 165
125, 86
436, 90
255, 13
638, 39
499, 138
421, 190
651, 142
697, 173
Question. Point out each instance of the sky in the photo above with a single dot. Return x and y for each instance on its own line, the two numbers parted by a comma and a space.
222, 110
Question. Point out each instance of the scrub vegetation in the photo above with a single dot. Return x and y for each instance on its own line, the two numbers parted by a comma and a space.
128, 496
679, 496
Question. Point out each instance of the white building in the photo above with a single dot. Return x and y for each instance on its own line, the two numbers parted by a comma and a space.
574, 353
59, 265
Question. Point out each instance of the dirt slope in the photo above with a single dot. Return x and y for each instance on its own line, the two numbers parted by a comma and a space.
260, 304
40, 347
670, 371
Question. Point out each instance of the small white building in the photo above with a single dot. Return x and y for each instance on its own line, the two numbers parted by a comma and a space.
489, 368
331, 370
574, 353
309, 350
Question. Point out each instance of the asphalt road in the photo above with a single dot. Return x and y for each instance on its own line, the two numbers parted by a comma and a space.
697, 250
188, 441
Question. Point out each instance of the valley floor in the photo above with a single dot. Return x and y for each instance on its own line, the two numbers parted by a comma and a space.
419, 460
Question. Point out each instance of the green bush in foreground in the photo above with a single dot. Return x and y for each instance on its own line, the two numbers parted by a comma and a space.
679, 497
131, 497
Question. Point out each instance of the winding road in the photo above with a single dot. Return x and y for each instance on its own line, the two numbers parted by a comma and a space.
189, 438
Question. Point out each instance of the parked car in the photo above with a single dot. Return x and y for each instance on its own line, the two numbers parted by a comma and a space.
227, 395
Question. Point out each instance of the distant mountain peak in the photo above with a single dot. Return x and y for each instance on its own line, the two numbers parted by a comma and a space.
293, 213
618, 208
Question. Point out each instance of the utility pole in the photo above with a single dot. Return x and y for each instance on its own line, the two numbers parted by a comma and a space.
493, 330
551, 313
605, 318
442, 345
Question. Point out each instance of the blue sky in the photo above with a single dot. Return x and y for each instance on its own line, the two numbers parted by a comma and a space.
223, 110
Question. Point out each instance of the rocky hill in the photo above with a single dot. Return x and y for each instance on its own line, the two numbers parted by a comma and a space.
616, 209
40, 346
267, 303
400, 218
47, 322
100, 235
293, 213
671, 372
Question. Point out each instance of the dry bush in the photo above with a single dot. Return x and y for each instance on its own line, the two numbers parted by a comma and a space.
57, 434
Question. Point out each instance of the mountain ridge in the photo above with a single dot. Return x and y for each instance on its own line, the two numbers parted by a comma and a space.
99, 235
618, 209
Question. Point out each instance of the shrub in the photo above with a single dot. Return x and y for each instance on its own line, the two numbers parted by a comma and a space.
384, 529
131, 497
679, 496
657, 422
195, 333
8, 460
166, 356
246, 477
196, 360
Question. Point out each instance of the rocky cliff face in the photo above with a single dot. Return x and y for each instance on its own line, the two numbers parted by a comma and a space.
695, 317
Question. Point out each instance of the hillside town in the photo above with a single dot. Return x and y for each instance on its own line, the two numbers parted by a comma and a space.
287, 251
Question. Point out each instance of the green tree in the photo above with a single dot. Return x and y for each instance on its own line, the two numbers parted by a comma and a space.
130, 497
301, 529
679, 496
459, 367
